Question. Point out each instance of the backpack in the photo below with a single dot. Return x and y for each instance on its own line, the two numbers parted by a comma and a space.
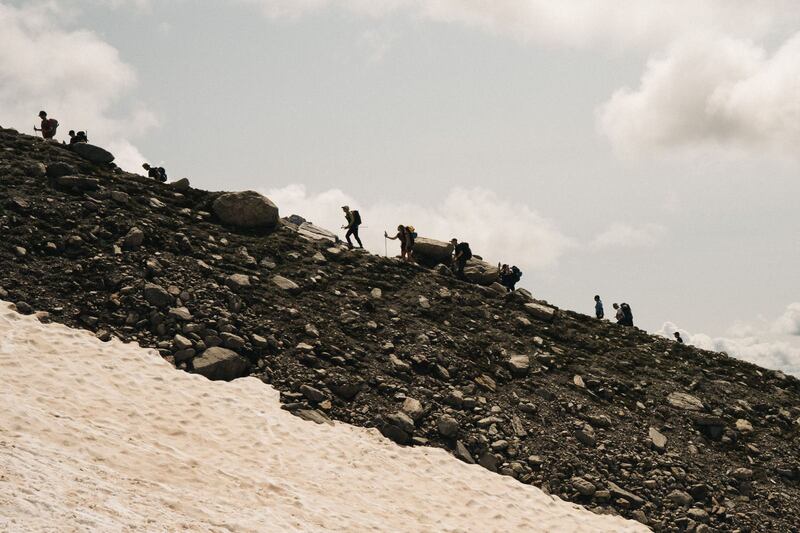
516, 273
356, 218
162, 174
412, 230
464, 248
52, 124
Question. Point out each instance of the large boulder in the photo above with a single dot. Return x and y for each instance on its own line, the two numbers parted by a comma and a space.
540, 312
220, 364
481, 272
307, 229
246, 209
92, 153
432, 251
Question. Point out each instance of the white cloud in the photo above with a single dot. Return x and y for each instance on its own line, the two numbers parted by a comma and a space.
718, 92
752, 346
789, 322
494, 227
568, 22
620, 235
375, 44
72, 74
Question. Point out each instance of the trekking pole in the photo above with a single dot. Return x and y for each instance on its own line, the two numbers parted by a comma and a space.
385, 247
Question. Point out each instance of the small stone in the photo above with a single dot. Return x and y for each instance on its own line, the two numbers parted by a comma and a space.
586, 436
180, 313
658, 440
424, 303
181, 343
285, 284
682, 400
157, 295
311, 331
238, 282
413, 408
584, 488
743, 426
376, 293
519, 365
313, 395
447, 426
680, 498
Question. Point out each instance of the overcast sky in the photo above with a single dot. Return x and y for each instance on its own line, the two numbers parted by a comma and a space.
644, 150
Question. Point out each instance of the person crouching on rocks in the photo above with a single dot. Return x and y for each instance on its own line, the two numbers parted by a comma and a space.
353, 222
157, 173
406, 235
79, 137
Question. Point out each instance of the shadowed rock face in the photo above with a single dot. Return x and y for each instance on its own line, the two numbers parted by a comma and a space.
605, 416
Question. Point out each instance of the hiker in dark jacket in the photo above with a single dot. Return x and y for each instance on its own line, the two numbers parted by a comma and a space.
678, 338
353, 222
406, 235
627, 315
48, 126
598, 306
461, 254
157, 173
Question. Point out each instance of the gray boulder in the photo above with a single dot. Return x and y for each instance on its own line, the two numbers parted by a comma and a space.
309, 230
58, 169
133, 239
246, 209
432, 251
285, 284
79, 183
157, 295
220, 364
481, 272
92, 153
682, 400
540, 312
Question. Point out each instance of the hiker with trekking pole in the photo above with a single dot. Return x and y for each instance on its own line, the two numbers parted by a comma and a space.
406, 235
353, 222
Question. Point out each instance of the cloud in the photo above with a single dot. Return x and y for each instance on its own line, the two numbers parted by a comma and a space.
73, 74
620, 235
493, 226
568, 22
789, 322
750, 347
710, 92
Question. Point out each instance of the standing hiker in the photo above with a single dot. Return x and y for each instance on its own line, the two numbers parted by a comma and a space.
598, 307
619, 315
48, 126
157, 173
353, 222
461, 254
627, 315
406, 235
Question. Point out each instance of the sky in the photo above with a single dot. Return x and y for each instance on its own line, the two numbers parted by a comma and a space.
640, 150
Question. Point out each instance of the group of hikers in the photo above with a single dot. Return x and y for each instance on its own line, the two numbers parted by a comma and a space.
623, 314
49, 126
508, 276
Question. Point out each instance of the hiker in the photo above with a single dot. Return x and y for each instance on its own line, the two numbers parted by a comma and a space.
157, 173
406, 235
627, 315
79, 137
598, 307
509, 276
678, 338
48, 126
619, 315
353, 222
461, 254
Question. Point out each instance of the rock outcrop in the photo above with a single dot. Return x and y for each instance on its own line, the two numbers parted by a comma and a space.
246, 209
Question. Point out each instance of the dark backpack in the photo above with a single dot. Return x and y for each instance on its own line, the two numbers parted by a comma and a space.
464, 249
162, 175
516, 273
356, 218
628, 314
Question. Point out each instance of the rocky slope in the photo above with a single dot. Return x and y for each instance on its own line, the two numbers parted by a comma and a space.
609, 417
